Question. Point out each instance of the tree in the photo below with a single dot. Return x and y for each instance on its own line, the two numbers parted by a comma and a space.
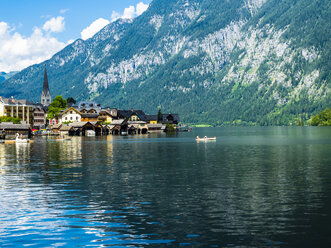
71, 101
56, 106
159, 115
322, 119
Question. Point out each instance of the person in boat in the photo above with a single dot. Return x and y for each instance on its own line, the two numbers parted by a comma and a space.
205, 137
198, 137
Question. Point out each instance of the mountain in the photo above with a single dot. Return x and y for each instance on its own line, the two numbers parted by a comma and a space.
4, 75
238, 62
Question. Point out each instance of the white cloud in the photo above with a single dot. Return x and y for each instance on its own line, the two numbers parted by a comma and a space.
18, 52
95, 27
63, 11
141, 8
55, 24
130, 12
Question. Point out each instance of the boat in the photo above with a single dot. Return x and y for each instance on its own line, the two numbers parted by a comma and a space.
19, 140
205, 138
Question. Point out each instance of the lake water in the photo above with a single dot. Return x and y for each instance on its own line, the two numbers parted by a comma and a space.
253, 187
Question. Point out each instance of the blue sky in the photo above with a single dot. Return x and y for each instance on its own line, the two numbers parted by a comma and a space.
33, 30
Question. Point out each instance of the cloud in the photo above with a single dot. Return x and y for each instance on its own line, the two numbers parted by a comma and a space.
141, 8
130, 12
95, 27
55, 24
18, 52
63, 11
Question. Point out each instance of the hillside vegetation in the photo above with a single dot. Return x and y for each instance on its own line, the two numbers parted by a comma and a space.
219, 62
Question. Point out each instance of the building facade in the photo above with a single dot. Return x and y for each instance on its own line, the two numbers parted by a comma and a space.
22, 109
70, 115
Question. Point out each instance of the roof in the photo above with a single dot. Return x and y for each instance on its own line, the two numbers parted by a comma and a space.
79, 124
10, 125
128, 113
14, 102
67, 109
150, 117
136, 122
165, 117
95, 123
57, 126
90, 115
117, 122
110, 126
66, 128
45, 84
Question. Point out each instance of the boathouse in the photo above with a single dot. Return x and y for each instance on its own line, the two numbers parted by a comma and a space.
10, 130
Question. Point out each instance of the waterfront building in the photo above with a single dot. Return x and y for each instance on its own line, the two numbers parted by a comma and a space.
69, 115
46, 98
22, 109
10, 130
105, 116
151, 119
39, 116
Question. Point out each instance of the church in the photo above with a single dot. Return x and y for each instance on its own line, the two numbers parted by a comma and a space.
46, 98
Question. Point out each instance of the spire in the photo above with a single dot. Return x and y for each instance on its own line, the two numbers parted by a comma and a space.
45, 87
45, 94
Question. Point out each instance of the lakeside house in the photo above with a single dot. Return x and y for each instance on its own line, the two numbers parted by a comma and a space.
9, 130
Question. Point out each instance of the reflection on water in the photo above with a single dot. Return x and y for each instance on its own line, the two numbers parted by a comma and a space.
253, 187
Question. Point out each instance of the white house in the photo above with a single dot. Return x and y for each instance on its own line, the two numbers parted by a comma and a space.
70, 115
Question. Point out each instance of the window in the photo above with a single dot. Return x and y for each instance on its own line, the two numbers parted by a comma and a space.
66, 118
70, 112
71, 118
76, 118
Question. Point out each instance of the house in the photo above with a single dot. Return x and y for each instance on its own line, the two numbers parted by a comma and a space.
81, 128
131, 115
56, 128
159, 127
105, 116
89, 117
22, 109
10, 130
67, 130
170, 119
69, 115
137, 127
39, 116
151, 119
119, 127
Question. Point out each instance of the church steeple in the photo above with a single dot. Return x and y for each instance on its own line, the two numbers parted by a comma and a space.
45, 94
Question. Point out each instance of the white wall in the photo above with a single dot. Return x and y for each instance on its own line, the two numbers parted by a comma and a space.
73, 117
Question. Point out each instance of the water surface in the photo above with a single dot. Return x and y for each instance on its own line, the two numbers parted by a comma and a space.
253, 187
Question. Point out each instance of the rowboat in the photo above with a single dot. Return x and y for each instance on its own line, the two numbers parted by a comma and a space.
205, 138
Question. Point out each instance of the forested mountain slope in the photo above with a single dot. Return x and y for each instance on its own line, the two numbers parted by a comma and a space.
264, 62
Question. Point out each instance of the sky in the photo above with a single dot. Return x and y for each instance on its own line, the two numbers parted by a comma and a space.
32, 31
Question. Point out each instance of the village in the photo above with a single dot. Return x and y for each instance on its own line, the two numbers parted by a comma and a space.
86, 118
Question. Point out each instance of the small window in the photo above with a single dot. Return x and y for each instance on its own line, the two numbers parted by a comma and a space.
70, 112
76, 118
71, 118
66, 118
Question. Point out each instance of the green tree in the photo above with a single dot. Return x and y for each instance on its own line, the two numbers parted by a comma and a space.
322, 119
71, 101
56, 106
159, 115
10, 119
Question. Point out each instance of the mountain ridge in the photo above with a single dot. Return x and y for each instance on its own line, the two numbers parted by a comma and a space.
255, 63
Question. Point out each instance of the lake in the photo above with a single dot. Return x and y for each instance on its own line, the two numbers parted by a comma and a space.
252, 187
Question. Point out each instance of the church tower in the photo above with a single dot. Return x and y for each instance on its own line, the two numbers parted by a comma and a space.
45, 94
